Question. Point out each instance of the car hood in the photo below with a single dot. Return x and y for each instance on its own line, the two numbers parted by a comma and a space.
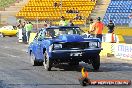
69, 38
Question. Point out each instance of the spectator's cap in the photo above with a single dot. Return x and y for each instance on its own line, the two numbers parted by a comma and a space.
99, 18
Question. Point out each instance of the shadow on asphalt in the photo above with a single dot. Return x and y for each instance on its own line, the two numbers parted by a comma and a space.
110, 67
104, 67
66, 67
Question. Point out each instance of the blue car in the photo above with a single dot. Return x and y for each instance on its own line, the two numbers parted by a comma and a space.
64, 44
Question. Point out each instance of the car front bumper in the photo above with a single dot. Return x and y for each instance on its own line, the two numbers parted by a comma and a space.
75, 53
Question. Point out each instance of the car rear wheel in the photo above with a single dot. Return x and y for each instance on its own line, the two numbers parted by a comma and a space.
47, 62
96, 62
32, 59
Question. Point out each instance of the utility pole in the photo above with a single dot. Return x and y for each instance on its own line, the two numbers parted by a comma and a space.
61, 7
37, 21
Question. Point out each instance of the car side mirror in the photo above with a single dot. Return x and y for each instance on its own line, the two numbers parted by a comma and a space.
35, 38
40, 39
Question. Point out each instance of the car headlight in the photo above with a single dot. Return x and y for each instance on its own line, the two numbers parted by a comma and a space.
57, 46
93, 44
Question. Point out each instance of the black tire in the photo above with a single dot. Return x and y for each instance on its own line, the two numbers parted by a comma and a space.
33, 61
47, 62
96, 62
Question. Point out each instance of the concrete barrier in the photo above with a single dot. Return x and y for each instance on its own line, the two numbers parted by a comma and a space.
119, 50
32, 36
123, 51
108, 49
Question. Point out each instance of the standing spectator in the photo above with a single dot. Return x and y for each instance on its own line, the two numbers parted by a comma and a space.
110, 27
91, 26
77, 10
49, 24
70, 11
55, 4
73, 10
78, 17
67, 11
28, 28
63, 22
24, 33
98, 28
70, 23
130, 20
130, 16
20, 25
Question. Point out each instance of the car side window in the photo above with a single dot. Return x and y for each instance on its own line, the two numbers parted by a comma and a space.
40, 35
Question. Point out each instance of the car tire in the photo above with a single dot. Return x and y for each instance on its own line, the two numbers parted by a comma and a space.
96, 62
2, 35
32, 59
47, 62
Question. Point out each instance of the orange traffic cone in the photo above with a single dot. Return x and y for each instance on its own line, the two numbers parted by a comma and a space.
84, 73
112, 38
84, 80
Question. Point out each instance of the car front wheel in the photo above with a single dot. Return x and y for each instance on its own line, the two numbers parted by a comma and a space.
47, 62
96, 62
32, 59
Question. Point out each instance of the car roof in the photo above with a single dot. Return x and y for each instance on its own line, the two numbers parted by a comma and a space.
7, 27
59, 27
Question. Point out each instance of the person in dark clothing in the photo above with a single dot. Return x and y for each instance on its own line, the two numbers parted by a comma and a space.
78, 17
70, 11
55, 4
70, 23
110, 27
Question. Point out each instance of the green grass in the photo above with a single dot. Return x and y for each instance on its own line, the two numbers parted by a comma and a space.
6, 3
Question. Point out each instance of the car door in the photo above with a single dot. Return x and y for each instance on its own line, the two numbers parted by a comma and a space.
37, 45
12, 31
4, 30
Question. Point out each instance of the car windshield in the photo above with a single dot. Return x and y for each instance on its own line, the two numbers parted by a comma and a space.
54, 32
7, 27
